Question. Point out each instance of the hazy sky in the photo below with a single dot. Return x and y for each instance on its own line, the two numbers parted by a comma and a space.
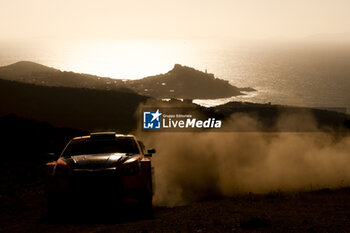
256, 19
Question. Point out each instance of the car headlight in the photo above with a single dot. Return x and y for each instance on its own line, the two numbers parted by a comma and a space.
62, 168
130, 166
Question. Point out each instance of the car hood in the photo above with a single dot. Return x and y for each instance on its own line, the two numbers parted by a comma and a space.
98, 161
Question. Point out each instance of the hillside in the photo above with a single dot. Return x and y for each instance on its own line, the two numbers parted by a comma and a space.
76, 108
30, 72
24, 68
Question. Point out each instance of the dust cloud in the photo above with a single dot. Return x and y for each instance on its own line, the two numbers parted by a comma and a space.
193, 166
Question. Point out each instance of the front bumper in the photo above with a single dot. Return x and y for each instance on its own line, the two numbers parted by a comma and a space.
84, 184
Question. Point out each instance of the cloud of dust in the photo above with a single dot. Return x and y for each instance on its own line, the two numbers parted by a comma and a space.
192, 166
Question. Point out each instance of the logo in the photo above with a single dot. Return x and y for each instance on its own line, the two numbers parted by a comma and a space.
151, 120
175, 119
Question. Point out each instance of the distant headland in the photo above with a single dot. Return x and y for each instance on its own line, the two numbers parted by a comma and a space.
180, 82
187, 83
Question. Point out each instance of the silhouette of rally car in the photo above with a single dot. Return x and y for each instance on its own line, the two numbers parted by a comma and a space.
102, 169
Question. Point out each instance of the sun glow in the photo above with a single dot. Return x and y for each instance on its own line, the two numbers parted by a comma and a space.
129, 59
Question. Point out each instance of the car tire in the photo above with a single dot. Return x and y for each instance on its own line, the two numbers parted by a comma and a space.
146, 208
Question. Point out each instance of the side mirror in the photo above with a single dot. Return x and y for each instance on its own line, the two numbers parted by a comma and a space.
150, 152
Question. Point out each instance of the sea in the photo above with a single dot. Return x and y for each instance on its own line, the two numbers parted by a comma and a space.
300, 73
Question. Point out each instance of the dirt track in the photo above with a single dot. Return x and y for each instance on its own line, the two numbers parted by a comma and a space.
317, 211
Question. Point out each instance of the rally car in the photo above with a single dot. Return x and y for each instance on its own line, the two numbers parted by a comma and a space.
101, 169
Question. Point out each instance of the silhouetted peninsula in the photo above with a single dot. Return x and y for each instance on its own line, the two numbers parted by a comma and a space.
187, 83
180, 82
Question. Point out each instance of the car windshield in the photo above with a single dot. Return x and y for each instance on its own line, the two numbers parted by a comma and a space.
94, 146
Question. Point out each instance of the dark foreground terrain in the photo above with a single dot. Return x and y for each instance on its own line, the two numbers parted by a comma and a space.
312, 211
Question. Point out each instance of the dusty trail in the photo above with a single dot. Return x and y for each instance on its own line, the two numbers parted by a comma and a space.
316, 211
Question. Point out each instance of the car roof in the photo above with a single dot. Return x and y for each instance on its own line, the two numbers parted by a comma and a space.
101, 135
